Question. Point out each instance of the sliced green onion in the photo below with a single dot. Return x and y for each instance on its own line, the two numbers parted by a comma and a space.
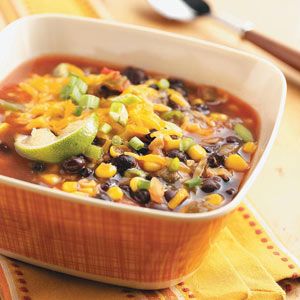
116, 140
75, 80
136, 143
191, 183
78, 110
65, 92
243, 132
74, 89
163, 84
89, 101
172, 115
133, 172
119, 113
174, 164
143, 184
127, 99
186, 143
94, 152
61, 70
75, 93
105, 128
11, 106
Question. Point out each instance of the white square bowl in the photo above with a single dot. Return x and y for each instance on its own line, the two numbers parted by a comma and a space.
112, 242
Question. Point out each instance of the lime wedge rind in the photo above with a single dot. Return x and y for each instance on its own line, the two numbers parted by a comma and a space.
75, 139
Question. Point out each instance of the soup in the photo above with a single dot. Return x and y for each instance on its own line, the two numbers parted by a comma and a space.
125, 135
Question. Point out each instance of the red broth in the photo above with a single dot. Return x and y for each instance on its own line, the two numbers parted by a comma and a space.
15, 166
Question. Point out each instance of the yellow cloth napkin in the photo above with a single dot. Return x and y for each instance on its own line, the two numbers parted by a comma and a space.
246, 262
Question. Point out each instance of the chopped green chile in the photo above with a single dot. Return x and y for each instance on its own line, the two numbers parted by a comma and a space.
186, 143
174, 164
143, 184
243, 132
11, 106
173, 114
136, 143
192, 183
118, 113
133, 172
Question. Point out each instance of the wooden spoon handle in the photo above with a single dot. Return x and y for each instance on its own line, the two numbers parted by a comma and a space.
288, 55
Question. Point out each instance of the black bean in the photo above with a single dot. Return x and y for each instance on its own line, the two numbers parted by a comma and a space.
215, 160
124, 162
141, 196
4, 148
176, 153
98, 141
231, 191
86, 172
143, 151
105, 92
147, 138
210, 185
233, 139
38, 167
179, 86
106, 185
103, 196
154, 86
203, 108
74, 165
135, 75
169, 194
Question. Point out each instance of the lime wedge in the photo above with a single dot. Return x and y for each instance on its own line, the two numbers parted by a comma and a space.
43, 145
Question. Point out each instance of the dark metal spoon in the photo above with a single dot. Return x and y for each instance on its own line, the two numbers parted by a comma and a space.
187, 10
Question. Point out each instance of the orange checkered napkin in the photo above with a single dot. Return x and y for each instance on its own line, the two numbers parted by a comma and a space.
246, 262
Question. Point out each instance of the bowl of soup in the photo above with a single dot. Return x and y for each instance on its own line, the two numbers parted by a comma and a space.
123, 149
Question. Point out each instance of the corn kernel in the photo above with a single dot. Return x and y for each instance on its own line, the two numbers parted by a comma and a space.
88, 190
197, 101
114, 151
214, 199
87, 183
150, 166
180, 196
115, 193
134, 183
3, 127
69, 186
196, 152
105, 170
171, 144
161, 107
236, 162
218, 117
51, 179
249, 147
